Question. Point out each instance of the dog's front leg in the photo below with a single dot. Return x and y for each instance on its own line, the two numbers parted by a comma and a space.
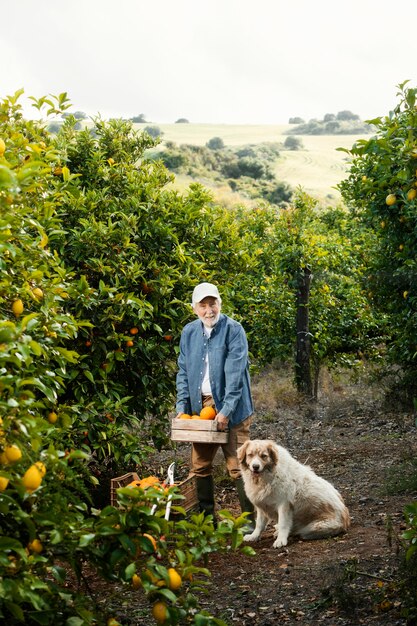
261, 522
283, 528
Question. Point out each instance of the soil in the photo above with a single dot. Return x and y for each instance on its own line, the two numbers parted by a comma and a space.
349, 438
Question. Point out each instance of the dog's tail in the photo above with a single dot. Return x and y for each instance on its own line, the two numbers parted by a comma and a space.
345, 518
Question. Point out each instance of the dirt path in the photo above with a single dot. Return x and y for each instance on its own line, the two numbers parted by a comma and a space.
349, 580
345, 580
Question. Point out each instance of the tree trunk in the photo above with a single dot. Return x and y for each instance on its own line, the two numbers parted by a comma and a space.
303, 346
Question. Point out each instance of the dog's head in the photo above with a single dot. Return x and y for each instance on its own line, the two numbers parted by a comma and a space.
258, 455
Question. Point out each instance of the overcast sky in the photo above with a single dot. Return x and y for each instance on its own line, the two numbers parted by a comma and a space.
212, 61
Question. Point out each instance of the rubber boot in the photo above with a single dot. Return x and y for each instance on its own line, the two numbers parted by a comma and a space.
205, 494
245, 505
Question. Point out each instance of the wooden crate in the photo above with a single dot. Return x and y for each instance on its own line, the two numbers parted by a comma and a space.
187, 487
202, 431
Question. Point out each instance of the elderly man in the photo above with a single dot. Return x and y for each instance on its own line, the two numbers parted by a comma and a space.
213, 370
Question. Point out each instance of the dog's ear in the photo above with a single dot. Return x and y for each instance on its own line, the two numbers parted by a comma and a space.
273, 452
241, 452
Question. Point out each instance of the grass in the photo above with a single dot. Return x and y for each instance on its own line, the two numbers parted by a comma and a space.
402, 478
317, 168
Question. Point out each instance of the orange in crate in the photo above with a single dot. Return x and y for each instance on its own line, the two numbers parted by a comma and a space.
207, 413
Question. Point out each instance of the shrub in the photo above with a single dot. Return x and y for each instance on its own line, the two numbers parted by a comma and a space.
293, 143
215, 143
153, 131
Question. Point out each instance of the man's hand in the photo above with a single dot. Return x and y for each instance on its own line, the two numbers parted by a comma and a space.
222, 421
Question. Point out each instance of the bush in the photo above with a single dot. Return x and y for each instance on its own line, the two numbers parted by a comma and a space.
153, 131
182, 120
215, 143
293, 143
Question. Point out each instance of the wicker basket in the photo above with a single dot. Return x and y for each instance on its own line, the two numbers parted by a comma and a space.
188, 488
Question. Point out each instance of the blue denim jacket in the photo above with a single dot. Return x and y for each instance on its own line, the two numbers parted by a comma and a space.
229, 369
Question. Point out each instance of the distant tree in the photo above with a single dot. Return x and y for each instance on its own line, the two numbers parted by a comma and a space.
296, 120
139, 119
79, 115
329, 117
54, 127
293, 143
182, 120
215, 143
347, 115
332, 127
153, 131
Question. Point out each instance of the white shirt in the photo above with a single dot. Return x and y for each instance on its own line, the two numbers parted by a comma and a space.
205, 385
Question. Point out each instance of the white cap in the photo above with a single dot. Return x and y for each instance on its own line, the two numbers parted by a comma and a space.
203, 290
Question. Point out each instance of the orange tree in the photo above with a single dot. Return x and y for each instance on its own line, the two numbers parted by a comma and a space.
381, 191
47, 525
135, 248
279, 246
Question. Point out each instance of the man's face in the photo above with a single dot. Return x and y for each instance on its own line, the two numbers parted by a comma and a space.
208, 310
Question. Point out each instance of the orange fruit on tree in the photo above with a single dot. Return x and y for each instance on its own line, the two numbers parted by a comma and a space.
17, 307
32, 478
160, 612
390, 199
134, 331
38, 293
2, 147
52, 417
207, 413
35, 546
175, 580
3, 483
13, 453
129, 343
136, 581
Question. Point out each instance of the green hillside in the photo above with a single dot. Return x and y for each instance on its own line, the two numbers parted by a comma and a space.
318, 167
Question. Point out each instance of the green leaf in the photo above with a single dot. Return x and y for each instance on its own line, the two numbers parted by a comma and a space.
130, 570
85, 540
59, 573
69, 355
89, 375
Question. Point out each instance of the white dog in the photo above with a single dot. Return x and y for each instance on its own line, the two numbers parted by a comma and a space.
290, 494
